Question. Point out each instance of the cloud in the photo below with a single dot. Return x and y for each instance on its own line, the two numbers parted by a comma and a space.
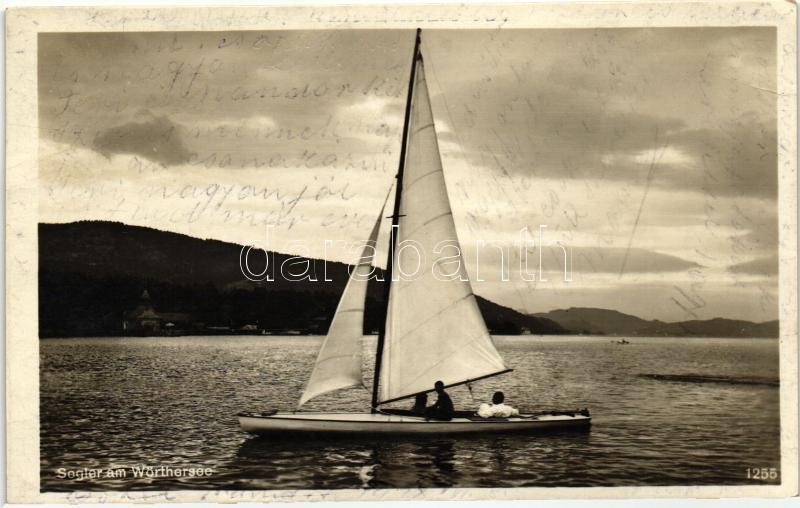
617, 259
767, 265
587, 260
735, 158
692, 104
567, 134
298, 78
156, 138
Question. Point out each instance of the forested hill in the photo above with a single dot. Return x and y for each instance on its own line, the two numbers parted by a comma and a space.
93, 273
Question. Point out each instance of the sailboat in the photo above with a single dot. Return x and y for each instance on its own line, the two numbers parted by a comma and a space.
432, 328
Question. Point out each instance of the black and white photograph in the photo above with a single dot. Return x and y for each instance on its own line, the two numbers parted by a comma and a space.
366, 258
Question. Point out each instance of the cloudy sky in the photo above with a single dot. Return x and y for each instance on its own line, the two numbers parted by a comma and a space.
651, 153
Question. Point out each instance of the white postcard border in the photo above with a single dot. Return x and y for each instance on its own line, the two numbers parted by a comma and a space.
22, 354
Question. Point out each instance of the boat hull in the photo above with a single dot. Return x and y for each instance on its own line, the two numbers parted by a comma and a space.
387, 424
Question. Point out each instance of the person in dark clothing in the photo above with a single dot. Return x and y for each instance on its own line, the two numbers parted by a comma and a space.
420, 404
443, 408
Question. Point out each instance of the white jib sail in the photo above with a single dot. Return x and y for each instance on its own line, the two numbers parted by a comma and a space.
339, 360
434, 329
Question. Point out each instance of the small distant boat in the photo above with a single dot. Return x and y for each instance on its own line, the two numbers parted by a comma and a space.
431, 329
621, 341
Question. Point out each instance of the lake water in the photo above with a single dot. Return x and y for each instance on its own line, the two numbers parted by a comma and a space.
125, 402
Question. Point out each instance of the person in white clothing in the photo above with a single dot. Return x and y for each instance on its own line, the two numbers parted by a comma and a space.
497, 409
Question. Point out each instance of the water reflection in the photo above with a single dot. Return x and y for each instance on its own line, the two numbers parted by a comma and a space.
416, 463
406, 462
351, 462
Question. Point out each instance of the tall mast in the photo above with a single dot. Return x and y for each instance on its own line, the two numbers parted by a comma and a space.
395, 221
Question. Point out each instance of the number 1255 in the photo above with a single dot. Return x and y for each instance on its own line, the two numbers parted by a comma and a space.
762, 473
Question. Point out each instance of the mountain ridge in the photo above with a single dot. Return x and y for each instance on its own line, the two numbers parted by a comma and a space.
596, 321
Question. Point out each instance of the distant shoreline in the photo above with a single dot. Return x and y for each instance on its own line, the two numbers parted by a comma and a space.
107, 279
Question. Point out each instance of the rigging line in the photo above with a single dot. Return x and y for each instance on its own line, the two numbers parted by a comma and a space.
386, 199
471, 395
653, 163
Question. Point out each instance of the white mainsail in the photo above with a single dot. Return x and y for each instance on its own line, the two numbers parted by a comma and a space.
339, 360
434, 329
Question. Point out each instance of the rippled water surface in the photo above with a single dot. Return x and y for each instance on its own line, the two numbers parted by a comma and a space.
120, 403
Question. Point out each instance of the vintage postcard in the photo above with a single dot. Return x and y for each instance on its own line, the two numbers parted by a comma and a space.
401, 252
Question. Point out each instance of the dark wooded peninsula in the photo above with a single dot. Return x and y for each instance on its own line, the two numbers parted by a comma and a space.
110, 279
100, 278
